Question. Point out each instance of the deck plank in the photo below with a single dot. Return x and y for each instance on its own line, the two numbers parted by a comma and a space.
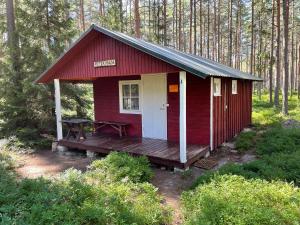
161, 152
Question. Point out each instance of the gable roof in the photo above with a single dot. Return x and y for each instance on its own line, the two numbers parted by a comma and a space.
193, 64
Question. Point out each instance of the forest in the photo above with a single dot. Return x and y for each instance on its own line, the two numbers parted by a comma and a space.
255, 181
258, 37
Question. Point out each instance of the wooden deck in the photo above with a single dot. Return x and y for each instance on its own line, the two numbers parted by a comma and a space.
158, 151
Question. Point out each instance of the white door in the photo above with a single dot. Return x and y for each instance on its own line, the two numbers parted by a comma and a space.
154, 107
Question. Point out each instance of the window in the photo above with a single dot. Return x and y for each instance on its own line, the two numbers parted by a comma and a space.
234, 87
129, 96
217, 87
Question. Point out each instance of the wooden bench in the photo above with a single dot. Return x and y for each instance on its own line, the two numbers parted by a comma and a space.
118, 126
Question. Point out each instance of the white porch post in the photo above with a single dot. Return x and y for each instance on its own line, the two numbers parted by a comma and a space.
182, 116
211, 113
58, 109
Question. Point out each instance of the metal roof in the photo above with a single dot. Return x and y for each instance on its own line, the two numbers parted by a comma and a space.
196, 65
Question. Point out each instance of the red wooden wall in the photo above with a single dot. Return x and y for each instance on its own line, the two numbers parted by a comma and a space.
129, 61
231, 120
106, 104
198, 110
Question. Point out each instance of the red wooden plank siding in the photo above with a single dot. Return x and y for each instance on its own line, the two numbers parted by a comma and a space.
129, 61
106, 104
228, 122
198, 110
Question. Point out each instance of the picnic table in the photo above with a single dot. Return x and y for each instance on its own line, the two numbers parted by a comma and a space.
118, 126
76, 128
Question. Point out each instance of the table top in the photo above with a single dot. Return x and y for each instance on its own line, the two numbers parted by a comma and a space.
110, 122
75, 121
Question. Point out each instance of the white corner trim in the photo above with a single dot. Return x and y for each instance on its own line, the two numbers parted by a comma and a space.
211, 113
182, 116
58, 109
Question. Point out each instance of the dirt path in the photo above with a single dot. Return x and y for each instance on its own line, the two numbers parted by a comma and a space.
48, 163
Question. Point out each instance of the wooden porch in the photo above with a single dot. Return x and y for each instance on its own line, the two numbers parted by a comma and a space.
159, 152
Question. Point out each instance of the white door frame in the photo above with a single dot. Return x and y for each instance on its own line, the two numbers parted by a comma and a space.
165, 104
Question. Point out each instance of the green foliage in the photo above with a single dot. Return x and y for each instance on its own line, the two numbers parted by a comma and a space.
27, 140
265, 114
245, 141
120, 166
75, 198
26, 107
235, 200
279, 140
279, 151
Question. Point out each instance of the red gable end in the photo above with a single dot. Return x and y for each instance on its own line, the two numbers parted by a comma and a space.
78, 62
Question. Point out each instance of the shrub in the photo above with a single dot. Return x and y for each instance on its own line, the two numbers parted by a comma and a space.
235, 200
121, 166
281, 166
279, 140
245, 141
75, 198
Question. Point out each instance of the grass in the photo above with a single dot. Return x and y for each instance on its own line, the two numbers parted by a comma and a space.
265, 114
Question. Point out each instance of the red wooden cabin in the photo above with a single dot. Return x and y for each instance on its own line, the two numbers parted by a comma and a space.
178, 99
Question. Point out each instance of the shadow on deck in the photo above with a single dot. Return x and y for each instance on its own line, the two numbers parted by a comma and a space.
159, 152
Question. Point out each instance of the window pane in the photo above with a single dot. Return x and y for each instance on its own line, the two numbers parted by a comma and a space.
217, 87
135, 104
134, 90
126, 103
126, 90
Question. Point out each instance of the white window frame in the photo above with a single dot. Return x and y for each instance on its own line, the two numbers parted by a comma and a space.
234, 91
217, 81
130, 82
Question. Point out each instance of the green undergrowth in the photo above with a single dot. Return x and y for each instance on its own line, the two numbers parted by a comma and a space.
263, 191
245, 141
234, 200
121, 166
27, 140
265, 114
77, 198
278, 150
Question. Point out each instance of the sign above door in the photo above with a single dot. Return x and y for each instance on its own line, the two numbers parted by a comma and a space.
104, 63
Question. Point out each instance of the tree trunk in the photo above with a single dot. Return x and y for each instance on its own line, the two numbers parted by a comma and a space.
13, 45
277, 79
252, 38
191, 26
229, 53
271, 63
285, 12
219, 48
200, 28
180, 25
137, 19
82, 16
208, 29
195, 27
298, 75
165, 21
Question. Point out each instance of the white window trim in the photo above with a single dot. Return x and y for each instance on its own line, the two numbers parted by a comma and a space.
236, 91
122, 82
220, 89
